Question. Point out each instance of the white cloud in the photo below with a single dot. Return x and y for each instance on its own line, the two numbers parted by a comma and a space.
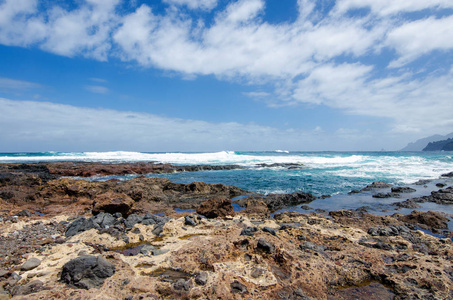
97, 89
392, 7
8, 84
411, 105
414, 39
60, 127
194, 4
318, 59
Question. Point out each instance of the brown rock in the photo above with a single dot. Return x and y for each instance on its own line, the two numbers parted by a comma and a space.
216, 207
256, 208
111, 202
431, 219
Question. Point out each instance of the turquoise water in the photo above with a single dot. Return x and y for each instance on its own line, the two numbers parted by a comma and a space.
321, 173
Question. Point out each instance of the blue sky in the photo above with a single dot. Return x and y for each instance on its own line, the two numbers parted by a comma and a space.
211, 75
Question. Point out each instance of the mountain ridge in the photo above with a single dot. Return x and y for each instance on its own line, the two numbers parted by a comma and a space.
421, 144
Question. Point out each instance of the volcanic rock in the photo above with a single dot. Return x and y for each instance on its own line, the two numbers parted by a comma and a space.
87, 271
431, 219
30, 264
216, 208
403, 189
111, 202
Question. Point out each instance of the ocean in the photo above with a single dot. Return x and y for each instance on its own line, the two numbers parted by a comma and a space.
320, 173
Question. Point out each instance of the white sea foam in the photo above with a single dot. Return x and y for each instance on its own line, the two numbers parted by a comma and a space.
405, 168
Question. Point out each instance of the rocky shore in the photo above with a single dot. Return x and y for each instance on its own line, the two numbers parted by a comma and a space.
69, 238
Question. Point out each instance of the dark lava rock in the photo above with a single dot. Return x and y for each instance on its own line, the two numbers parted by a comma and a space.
422, 182
431, 219
265, 246
249, 231
448, 174
150, 219
81, 225
190, 220
132, 220
24, 213
104, 220
216, 208
376, 244
313, 247
201, 278
385, 195
278, 201
403, 189
87, 271
409, 203
377, 185
388, 231
270, 230
440, 185
238, 288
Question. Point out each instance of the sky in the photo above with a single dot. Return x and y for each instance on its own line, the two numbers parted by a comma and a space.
213, 75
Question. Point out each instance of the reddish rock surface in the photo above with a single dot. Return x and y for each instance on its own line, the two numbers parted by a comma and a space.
216, 208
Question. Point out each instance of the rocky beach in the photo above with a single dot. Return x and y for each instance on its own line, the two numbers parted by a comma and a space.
65, 237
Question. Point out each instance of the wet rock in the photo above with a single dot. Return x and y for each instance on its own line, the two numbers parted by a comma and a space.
265, 246
409, 203
385, 195
216, 208
440, 185
377, 185
431, 219
111, 202
403, 189
448, 174
238, 288
422, 182
87, 271
249, 231
278, 201
201, 278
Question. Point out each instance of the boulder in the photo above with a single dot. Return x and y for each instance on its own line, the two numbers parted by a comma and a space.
431, 219
80, 225
216, 208
111, 202
87, 271
403, 189
30, 264
256, 208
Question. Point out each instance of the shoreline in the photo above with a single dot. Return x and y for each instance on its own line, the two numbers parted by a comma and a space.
216, 252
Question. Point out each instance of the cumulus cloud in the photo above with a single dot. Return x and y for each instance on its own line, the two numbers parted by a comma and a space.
331, 57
